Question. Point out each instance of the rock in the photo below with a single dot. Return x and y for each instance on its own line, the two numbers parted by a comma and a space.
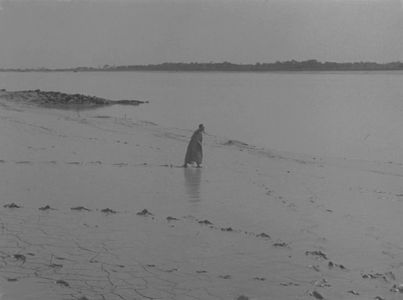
259, 278
63, 100
317, 253
280, 244
289, 284
397, 288
63, 283
12, 205
108, 211
242, 297
355, 293
171, 219
171, 270
80, 208
376, 276
332, 265
20, 257
317, 295
263, 235
144, 212
205, 222
321, 283
47, 207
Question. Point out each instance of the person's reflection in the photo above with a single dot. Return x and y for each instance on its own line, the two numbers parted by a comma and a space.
192, 183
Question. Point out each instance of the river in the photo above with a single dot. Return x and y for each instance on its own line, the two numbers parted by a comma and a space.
339, 114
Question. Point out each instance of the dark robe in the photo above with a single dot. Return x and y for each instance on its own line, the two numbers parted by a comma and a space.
194, 151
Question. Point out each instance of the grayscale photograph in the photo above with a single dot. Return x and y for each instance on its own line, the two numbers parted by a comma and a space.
201, 149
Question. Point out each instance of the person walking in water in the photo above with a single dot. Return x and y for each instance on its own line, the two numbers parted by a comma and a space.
194, 152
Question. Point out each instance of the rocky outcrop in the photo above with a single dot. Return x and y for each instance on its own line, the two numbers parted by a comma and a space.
62, 100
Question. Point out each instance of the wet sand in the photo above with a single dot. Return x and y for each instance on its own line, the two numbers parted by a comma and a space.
96, 207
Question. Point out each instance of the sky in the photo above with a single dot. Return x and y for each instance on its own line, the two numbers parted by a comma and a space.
71, 33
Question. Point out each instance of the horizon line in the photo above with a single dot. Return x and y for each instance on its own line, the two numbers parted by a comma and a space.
108, 66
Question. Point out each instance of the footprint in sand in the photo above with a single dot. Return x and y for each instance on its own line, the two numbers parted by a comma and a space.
120, 164
171, 270
24, 162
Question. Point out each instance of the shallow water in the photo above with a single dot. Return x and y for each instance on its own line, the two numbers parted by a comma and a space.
205, 238
353, 115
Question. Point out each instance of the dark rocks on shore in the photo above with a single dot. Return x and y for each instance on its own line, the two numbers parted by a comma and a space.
263, 235
62, 283
46, 207
317, 253
205, 222
12, 205
108, 211
20, 257
144, 212
80, 208
317, 295
62, 100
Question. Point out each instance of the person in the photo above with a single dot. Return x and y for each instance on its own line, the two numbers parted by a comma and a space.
194, 152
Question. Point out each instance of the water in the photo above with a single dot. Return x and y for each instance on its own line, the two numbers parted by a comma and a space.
353, 115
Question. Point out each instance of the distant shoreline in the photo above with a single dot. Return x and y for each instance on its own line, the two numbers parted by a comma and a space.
287, 66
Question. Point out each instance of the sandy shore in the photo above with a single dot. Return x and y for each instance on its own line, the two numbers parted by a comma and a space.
95, 207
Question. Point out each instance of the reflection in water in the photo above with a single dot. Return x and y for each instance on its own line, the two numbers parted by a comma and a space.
192, 183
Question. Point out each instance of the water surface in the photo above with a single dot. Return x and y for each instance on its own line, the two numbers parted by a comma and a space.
344, 114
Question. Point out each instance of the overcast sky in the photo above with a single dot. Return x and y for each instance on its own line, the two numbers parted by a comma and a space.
63, 33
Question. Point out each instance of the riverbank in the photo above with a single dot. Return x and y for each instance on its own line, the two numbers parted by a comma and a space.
96, 207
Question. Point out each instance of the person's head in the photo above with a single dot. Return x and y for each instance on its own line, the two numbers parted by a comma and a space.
201, 127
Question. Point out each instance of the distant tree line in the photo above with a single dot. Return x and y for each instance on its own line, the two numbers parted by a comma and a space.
291, 65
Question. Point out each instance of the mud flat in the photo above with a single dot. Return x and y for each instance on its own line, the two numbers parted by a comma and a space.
96, 207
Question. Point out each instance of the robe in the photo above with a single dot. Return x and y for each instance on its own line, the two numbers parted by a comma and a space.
194, 152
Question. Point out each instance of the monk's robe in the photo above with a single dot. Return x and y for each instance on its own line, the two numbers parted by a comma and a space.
194, 151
